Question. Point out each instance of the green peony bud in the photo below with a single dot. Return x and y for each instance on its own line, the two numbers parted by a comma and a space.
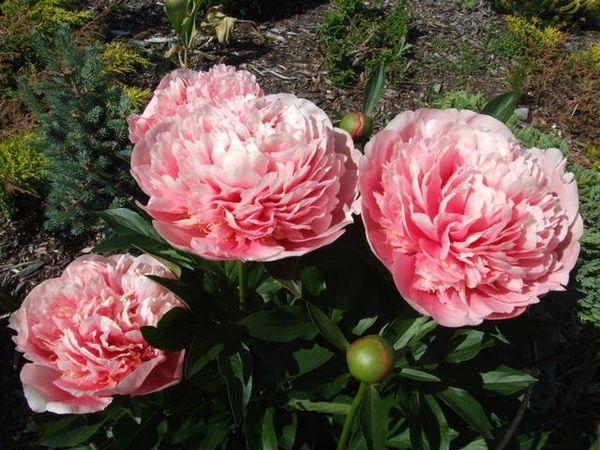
358, 124
176, 11
370, 359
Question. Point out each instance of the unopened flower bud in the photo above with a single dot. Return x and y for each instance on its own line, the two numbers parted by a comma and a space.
358, 124
370, 359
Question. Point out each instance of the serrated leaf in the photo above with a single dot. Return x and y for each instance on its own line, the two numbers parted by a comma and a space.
327, 328
373, 419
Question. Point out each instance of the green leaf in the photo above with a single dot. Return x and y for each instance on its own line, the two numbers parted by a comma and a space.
236, 370
173, 332
401, 331
363, 325
309, 359
373, 419
374, 90
268, 435
181, 290
418, 375
199, 355
313, 280
327, 328
444, 430
502, 107
176, 11
75, 433
281, 325
467, 407
506, 381
415, 425
288, 431
467, 344
122, 219
320, 407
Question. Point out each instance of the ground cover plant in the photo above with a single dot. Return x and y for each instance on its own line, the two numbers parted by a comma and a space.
289, 263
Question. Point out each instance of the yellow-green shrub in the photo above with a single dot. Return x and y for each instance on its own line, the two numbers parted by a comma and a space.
556, 12
47, 15
119, 58
21, 169
534, 36
139, 96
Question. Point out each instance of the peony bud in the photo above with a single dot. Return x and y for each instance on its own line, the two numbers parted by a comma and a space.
358, 124
370, 359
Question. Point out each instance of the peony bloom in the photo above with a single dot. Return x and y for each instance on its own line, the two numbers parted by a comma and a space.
183, 87
261, 179
471, 226
81, 332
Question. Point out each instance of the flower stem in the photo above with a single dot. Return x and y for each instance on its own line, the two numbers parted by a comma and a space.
243, 288
351, 416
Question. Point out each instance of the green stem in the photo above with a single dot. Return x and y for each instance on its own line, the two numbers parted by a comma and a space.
243, 288
351, 416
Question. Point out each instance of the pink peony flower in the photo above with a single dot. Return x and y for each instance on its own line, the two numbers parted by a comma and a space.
471, 226
182, 87
81, 332
262, 179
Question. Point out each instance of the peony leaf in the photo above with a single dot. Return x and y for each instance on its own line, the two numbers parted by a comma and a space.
502, 107
373, 419
418, 375
327, 328
283, 325
236, 370
176, 11
467, 407
506, 381
341, 409
444, 430
374, 90
173, 332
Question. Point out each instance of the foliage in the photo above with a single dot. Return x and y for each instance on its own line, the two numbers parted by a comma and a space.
533, 137
556, 12
533, 36
459, 100
82, 133
46, 16
588, 272
22, 169
139, 96
589, 57
359, 39
119, 58
184, 16
460, 56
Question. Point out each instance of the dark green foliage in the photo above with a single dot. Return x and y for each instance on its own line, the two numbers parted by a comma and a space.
359, 38
273, 374
82, 133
